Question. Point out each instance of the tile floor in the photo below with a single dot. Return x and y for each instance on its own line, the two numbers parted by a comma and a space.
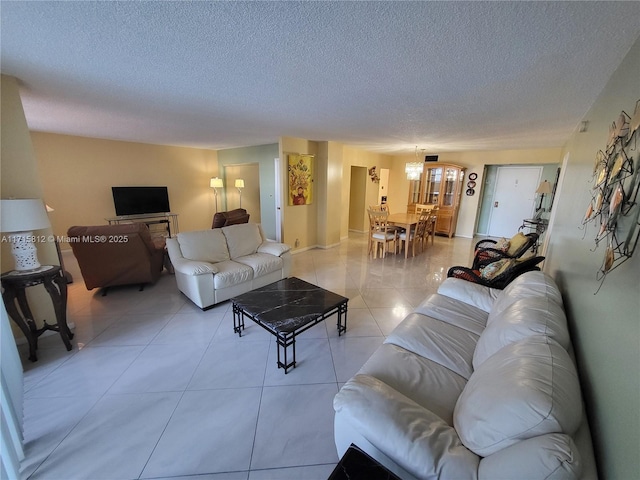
156, 388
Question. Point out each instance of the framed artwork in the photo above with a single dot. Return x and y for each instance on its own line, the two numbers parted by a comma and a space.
300, 169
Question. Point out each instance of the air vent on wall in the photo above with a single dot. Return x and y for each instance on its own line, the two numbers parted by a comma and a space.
431, 158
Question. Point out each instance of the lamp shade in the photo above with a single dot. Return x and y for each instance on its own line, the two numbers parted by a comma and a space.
216, 182
23, 215
544, 188
239, 183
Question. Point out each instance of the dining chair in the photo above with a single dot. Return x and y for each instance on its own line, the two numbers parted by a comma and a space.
424, 206
416, 236
380, 232
430, 228
383, 207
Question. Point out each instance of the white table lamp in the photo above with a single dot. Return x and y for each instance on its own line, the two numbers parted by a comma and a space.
216, 183
240, 186
20, 217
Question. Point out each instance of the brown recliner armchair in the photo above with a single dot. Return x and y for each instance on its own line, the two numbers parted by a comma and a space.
232, 217
110, 255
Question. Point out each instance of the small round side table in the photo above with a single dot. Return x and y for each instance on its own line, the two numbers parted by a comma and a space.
15, 283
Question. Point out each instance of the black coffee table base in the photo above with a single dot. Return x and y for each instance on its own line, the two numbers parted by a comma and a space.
356, 464
286, 309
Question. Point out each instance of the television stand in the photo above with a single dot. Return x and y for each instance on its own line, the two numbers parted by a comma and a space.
169, 219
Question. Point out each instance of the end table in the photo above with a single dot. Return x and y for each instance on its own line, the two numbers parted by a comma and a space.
15, 283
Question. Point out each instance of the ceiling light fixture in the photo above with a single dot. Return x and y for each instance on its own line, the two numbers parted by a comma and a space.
414, 169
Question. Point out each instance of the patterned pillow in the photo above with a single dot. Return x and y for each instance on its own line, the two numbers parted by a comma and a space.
503, 244
496, 268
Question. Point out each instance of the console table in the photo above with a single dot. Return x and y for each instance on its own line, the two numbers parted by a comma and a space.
169, 219
15, 283
539, 225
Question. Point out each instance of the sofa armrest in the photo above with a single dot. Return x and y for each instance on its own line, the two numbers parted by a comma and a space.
184, 265
553, 456
471, 293
273, 248
193, 267
412, 436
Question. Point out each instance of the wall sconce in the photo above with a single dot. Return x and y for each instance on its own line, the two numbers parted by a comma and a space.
543, 189
216, 183
414, 169
20, 218
240, 186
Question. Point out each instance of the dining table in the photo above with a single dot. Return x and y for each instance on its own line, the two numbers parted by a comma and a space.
408, 221
404, 220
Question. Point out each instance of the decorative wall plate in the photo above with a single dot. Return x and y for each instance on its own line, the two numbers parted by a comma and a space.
470, 191
473, 176
471, 184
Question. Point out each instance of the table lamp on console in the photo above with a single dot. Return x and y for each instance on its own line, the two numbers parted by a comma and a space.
20, 218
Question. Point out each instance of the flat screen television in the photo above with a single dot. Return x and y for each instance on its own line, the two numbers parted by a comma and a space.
140, 200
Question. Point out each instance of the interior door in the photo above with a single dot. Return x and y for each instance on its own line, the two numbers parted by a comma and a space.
513, 199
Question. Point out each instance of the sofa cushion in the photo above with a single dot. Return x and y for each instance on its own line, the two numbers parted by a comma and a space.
523, 318
446, 344
243, 239
231, 273
414, 377
454, 312
526, 389
261, 263
204, 245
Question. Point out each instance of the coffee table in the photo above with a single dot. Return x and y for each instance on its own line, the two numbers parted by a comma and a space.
356, 464
287, 308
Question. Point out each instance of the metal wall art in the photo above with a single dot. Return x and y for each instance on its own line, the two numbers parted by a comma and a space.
614, 208
374, 175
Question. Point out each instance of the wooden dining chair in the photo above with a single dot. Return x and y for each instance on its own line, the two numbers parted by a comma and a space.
380, 233
416, 236
420, 207
430, 229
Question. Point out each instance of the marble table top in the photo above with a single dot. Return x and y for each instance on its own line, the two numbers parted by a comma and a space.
288, 304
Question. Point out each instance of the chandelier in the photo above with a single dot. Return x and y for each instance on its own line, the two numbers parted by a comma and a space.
414, 169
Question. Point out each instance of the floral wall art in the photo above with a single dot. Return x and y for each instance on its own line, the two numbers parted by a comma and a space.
614, 208
300, 179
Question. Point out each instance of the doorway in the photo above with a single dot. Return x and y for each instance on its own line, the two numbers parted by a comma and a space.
249, 197
513, 199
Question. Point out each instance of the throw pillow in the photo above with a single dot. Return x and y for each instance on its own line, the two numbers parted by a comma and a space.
494, 269
204, 245
503, 244
518, 241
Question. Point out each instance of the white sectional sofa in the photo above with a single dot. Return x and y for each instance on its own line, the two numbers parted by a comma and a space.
212, 266
476, 383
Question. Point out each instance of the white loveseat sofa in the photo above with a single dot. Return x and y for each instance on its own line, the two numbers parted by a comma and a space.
212, 266
476, 383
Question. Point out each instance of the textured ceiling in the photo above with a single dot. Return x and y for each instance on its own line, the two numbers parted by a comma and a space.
384, 76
